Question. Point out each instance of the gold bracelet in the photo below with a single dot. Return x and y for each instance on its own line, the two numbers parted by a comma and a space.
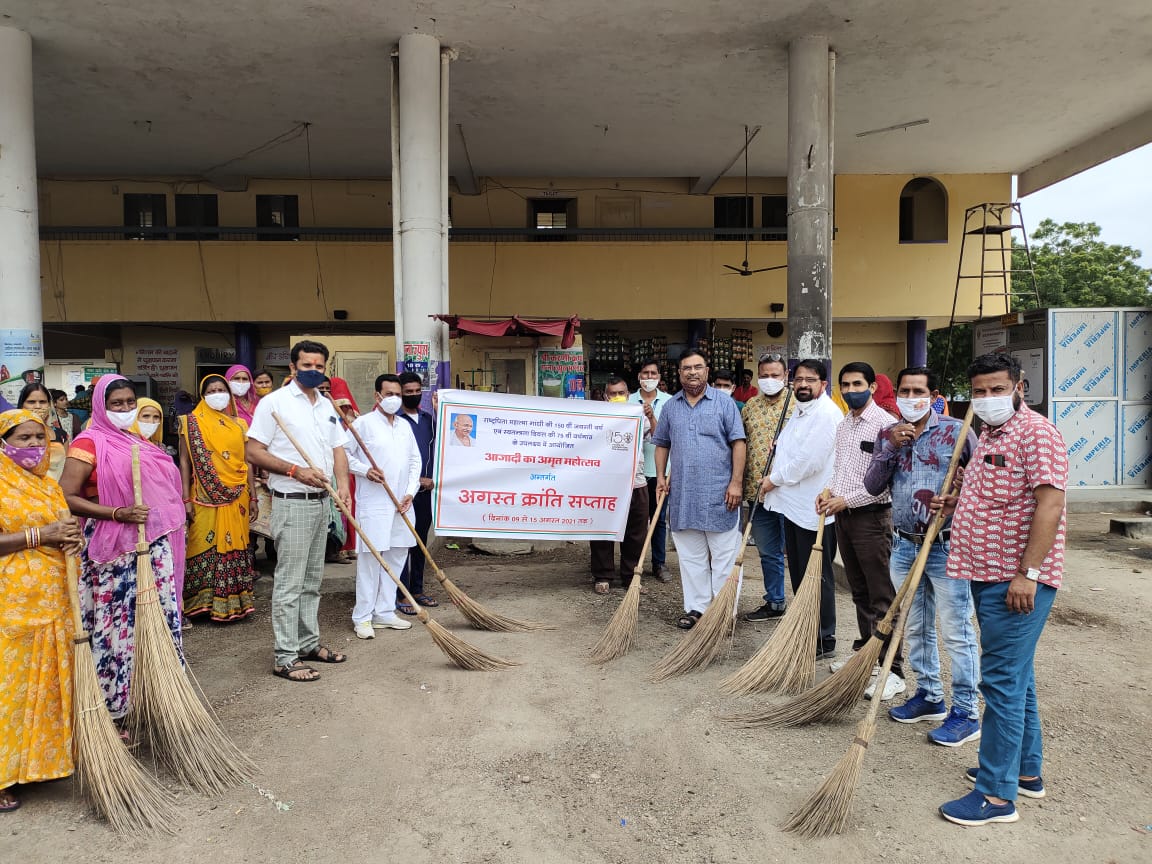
27, 538
115, 510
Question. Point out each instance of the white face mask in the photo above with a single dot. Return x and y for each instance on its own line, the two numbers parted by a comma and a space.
147, 430
390, 404
649, 384
770, 386
724, 389
995, 410
915, 408
123, 419
217, 401
239, 388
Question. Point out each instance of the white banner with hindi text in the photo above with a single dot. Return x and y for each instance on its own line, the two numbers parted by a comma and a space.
534, 466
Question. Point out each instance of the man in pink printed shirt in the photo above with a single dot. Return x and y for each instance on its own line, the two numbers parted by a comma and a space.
1008, 542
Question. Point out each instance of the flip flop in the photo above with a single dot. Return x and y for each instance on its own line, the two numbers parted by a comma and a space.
688, 620
285, 672
329, 656
602, 586
405, 608
425, 600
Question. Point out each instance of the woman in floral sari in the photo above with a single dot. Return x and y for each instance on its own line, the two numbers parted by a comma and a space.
35, 622
97, 483
220, 501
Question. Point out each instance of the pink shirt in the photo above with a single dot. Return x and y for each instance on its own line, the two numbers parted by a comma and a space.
994, 514
852, 462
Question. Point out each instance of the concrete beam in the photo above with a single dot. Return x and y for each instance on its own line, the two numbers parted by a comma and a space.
703, 185
1088, 154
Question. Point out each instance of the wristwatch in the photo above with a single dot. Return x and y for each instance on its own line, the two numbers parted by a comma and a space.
1031, 574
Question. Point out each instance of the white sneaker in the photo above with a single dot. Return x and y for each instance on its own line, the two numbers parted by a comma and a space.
894, 686
837, 665
364, 631
391, 622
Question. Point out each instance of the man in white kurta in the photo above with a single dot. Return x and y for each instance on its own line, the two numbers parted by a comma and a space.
392, 445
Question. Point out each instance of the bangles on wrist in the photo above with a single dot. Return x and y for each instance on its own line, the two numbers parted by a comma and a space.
116, 510
31, 538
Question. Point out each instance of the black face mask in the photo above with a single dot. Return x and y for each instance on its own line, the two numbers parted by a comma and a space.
412, 402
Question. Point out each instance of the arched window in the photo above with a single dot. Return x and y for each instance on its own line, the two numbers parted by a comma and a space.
924, 211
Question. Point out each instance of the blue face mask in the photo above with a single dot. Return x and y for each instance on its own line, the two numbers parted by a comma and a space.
309, 379
856, 400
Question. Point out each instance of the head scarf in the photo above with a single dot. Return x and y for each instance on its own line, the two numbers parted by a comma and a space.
246, 404
12, 418
156, 437
885, 395
159, 481
342, 397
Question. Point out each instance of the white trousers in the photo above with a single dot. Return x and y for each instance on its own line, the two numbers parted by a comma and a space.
706, 559
375, 590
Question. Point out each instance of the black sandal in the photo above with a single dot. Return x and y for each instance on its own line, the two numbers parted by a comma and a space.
285, 672
329, 656
688, 620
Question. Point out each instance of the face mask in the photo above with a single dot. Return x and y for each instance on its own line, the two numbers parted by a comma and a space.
617, 398
390, 404
123, 419
147, 430
913, 409
727, 390
309, 379
857, 400
217, 401
42, 413
239, 388
649, 384
263, 389
995, 410
770, 386
28, 458
412, 401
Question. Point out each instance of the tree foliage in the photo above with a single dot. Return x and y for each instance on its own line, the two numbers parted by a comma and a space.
1074, 269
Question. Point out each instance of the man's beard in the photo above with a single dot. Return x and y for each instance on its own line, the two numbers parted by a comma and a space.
803, 394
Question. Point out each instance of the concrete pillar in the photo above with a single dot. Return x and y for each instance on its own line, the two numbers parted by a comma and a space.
21, 322
809, 200
918, 343
420, 195
246, 344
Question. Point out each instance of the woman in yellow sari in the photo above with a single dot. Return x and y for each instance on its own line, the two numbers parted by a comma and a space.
220, 501
35, 623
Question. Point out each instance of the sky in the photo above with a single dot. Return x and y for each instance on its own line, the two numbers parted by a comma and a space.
1114, 195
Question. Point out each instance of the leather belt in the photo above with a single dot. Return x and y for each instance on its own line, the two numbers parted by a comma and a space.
300, 496
870, 508
942, 537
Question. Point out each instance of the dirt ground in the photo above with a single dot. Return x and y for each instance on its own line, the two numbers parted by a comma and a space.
398, 756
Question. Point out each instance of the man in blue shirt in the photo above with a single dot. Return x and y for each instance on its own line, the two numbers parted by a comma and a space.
424, 428
911, 459
700, 430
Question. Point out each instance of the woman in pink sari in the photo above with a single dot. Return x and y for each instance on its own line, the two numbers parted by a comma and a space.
97, 484
239, 380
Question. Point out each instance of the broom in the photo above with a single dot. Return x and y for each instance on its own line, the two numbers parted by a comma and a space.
618, 636
705, 641
784, 663
834, 697
163, 706
478, 616
114, 783
457, 650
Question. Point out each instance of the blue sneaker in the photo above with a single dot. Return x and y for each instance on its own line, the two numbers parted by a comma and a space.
918, 708
974, 809
958, 728
1033, 788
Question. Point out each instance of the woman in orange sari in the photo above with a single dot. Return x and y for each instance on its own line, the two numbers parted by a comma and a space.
220, 500
35, 623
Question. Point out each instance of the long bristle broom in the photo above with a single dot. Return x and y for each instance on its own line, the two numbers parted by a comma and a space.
457, 650
618, 636
784, 663
835, 696
477, 614
108, 775
164, 709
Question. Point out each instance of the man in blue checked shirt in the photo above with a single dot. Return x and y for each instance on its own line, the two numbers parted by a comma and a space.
911, 459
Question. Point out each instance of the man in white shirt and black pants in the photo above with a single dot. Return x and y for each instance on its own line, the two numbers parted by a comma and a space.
300, 505
801, 470
392, 446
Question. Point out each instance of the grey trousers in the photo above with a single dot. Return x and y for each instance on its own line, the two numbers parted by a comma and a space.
300, 531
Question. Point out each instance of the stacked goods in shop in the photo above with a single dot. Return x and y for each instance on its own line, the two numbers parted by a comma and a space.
742, 346
721, 354
610, 350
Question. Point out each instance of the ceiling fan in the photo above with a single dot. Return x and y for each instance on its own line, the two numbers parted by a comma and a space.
744, 269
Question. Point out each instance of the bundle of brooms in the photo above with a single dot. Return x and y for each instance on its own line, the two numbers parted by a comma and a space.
164, 709
456, 649
618, 636
835, 696
477, 614
108, 775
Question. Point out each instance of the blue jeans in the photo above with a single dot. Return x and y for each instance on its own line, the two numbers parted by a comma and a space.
660, 534
953, 599
1011, 745
768, 532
